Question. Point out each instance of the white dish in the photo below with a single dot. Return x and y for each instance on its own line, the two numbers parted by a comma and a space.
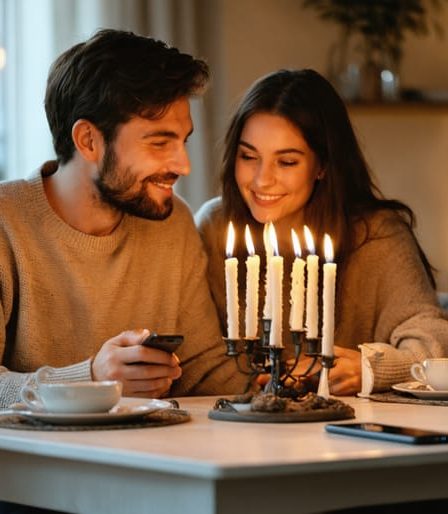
420, 391
124, 411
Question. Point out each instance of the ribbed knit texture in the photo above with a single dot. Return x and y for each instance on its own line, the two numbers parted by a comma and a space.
384, 300
63, 293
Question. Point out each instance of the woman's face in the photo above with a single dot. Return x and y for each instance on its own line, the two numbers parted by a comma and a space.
275, 169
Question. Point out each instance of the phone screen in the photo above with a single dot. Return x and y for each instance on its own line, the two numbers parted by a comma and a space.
389, 433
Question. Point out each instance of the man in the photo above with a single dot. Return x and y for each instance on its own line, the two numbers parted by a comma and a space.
96, 246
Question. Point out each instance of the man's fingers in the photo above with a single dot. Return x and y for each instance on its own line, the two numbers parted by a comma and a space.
151, 372
139, 353
147, 388
129, 337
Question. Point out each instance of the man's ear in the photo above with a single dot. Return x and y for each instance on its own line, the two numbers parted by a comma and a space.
88, 140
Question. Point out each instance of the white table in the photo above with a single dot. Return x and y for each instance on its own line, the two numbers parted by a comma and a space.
219, 467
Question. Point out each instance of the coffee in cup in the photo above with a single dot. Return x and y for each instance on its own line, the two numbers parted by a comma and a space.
432, 372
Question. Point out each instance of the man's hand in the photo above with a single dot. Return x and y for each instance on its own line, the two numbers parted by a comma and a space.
344, 377
150, 378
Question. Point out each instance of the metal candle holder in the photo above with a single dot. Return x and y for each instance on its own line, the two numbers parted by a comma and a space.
263, 358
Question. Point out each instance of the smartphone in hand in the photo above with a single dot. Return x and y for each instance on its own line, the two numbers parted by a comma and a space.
392, 433
166, 342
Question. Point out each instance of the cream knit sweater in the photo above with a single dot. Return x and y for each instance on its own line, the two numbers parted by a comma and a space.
385, 302
63, 293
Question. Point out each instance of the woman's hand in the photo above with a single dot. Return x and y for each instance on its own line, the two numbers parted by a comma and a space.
345, 376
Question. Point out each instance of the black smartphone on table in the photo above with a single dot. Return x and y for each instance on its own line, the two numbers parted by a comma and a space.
392, 433
166, 342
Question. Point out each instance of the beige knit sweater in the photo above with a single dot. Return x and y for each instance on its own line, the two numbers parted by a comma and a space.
63, 293
385, 302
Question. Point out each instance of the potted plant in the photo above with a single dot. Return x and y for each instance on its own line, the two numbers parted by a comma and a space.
373, 32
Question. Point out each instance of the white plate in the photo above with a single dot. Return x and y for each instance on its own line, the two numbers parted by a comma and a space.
124, 411
420, 391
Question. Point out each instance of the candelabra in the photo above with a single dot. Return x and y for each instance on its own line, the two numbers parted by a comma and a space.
263, 358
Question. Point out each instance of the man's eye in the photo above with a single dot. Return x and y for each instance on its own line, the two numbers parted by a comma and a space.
159, 144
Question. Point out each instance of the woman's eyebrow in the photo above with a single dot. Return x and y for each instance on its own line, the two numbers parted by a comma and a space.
278, 152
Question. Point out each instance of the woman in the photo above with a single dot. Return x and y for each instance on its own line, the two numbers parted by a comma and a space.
291, 157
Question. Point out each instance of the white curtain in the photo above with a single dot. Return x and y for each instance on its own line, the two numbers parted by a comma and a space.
39, 30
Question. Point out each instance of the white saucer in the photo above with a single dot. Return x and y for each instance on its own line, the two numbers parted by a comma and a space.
124, 411
420, 391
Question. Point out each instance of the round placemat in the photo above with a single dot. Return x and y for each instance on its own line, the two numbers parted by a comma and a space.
154, 419
391, 397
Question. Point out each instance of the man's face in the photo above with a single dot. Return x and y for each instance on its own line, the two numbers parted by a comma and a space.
142, 164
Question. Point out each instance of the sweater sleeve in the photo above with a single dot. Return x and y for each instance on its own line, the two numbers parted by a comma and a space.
11, 382
206, 369
409, 326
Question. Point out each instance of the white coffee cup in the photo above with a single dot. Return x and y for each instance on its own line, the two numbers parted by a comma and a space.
71, 397
432, 372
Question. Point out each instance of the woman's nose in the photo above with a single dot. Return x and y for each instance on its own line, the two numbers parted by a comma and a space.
264, 175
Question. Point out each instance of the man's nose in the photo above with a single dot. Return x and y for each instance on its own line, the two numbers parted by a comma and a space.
183, 166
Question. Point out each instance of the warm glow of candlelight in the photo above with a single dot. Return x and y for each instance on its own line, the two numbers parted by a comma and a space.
249, 242
273, 238
296, 243
309, 240
230, 240
328, 248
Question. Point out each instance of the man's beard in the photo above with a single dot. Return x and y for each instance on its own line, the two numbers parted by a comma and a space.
114, 185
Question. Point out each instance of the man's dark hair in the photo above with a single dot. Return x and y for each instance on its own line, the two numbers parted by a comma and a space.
112, 77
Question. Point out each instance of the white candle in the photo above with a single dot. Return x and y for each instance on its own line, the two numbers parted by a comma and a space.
252, 282
328, 298
231, 274
297, 286
312, 285
276, 276
267, 309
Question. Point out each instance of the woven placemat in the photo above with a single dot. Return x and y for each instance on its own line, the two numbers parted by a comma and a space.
154, 419
391, 397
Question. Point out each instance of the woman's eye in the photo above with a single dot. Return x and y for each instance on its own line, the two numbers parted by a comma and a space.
246, 156
288, 163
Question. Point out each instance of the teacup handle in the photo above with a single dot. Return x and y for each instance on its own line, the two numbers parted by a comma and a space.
418, 372
43, 374
31, 398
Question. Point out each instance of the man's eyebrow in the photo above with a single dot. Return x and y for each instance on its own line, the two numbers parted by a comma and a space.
278, 152
164, 133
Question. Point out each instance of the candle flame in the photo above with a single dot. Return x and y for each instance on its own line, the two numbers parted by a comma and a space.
309, 240
249, 241
296, 243
273, 239
230, 240
328, 248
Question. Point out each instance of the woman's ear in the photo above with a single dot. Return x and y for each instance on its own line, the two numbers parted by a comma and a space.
88, 140
320, 175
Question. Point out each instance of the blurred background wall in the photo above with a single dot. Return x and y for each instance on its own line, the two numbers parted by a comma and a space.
406, 145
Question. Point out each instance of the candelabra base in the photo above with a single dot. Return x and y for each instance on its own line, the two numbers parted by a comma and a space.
270, 408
